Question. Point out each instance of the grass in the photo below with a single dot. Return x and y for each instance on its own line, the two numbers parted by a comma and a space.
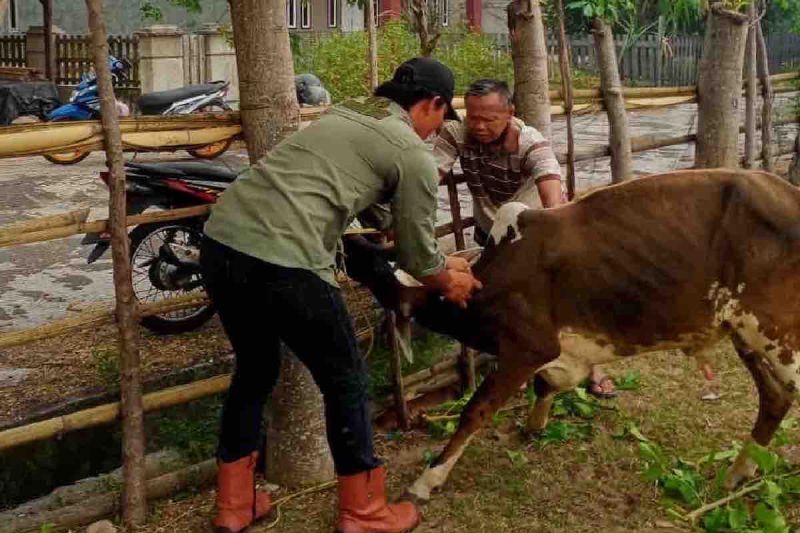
582, 480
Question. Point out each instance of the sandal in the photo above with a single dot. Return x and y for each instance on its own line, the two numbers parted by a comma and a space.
597, 388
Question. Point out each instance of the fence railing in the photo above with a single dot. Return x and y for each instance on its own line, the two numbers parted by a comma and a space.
12, 50
73, 58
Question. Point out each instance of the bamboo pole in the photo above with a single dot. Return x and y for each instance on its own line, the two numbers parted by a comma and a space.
404, 420
134, 499
104, 414
567, 96
61, 226
768, 98
750, 79
42, 223
650, 142
95, 318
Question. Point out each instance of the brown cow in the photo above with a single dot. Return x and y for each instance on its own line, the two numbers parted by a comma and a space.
679, 260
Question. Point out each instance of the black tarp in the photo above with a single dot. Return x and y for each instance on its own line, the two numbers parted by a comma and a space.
19, 98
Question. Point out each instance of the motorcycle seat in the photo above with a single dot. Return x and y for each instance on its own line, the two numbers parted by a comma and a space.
158, 102
184, 169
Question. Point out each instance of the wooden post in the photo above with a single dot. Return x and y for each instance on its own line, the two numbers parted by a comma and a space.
134, 504
768, 97
613, 96
466, 358
49, 71
403, 416
372, 47
565, 64
750, 90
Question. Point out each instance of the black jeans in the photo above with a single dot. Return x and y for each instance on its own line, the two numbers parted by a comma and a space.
261, 304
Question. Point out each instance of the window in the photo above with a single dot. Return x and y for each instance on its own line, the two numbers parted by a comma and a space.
439, 11
305, 14
333, 13
291, 13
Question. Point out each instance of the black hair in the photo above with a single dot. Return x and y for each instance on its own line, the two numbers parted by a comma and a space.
405, 94
485, 87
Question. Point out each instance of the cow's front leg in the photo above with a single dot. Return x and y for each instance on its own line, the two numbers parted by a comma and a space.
516, 365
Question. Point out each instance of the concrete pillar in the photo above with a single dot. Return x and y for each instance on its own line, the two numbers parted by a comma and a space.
35, 46
220, 61
161, 65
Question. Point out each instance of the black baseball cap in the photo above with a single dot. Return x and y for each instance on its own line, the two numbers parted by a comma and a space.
429, 74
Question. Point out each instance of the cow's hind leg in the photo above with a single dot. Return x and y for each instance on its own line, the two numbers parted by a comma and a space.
517, 361
774, 401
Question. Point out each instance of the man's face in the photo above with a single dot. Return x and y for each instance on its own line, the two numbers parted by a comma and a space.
488, 117
429, 116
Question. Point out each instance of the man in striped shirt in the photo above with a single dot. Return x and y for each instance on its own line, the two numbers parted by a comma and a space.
503, 160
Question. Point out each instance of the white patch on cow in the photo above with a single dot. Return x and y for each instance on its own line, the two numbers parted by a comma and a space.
433, 478
746, 324
507, 217
407, 280
740, 288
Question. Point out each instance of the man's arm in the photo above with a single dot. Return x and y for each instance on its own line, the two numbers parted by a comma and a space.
543, 170
414, 206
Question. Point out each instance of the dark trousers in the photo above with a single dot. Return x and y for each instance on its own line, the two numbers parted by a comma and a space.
261, 304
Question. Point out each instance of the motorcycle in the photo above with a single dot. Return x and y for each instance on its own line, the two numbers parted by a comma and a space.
165, 255
84, 104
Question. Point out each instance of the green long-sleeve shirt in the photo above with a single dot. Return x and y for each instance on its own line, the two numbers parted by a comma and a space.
292, 207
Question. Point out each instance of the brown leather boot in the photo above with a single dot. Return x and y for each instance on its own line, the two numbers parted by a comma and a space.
363, 507
238, 501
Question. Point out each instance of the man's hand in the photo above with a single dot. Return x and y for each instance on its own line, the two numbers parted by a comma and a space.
458, 264
454, 285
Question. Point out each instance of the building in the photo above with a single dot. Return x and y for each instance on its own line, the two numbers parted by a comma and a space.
301, 16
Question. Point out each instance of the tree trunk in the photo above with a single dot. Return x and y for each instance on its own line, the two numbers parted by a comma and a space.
794, 168
425, 28
266, 74
297, 451
750, 91
372, 47
614, 99
134, 503
719, 88
564, 63
529, 53
49, 59
768, 98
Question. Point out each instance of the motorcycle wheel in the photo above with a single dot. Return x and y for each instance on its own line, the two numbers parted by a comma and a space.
66, 158
150, 275
213, 150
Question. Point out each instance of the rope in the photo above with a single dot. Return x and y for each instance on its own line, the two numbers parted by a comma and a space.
278, 503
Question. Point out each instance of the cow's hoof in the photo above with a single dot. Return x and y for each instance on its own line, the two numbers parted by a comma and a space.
742, 469
415, 498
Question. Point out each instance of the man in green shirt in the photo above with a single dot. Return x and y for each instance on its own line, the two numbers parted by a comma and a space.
268, 264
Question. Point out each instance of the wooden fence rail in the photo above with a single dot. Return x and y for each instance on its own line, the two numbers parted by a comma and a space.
73, 58
12, 50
